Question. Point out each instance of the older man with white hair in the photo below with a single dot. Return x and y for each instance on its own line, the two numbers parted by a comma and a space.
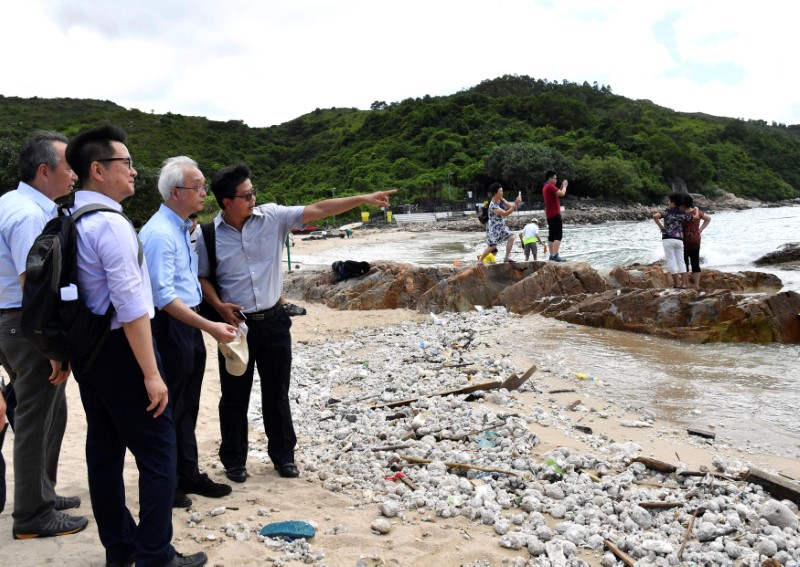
177, 324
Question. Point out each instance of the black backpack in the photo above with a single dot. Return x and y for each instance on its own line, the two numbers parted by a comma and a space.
348, 269
61, 329
484, 215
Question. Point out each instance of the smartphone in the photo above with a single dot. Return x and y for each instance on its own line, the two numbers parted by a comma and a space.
239, 315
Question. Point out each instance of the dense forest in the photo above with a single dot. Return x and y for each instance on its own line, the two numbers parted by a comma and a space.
445, 151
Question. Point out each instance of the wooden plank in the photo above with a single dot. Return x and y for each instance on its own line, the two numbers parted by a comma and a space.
701, 433
779, 488
511, 383
661, 505
654, 464
621, 555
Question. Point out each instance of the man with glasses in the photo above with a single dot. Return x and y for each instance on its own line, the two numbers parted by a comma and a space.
177, 325
124, 396
249, 243
39, 383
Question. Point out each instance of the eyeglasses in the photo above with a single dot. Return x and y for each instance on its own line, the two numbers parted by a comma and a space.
125, 159
246, 196
198, 189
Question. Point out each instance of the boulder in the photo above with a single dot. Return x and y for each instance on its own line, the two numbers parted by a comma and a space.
730, 307
786, 254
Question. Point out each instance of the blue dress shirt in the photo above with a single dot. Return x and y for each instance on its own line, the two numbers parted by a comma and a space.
23, 214
171, 259
108, 263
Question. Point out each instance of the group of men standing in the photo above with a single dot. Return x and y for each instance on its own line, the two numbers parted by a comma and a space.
141, 391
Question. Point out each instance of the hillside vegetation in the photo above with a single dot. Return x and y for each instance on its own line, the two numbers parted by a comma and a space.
435, 150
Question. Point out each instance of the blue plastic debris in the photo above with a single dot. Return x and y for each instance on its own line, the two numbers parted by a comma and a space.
293, 529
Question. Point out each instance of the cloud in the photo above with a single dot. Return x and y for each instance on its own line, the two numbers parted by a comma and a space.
266, 62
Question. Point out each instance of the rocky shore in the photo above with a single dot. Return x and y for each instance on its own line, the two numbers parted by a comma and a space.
740, 307
589, 211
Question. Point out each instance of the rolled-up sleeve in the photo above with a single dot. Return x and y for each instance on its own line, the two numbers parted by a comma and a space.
119, 251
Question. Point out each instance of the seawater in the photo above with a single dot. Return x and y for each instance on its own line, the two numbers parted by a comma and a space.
749, 394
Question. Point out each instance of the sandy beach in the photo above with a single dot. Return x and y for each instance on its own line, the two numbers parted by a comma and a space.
343, 523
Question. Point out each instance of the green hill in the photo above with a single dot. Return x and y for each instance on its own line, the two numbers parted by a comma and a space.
436, 149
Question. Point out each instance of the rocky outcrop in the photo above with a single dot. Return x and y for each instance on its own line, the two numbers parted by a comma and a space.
729, 307
787, 254
388, 285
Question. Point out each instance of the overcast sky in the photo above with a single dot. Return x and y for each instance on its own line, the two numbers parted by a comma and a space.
267, 62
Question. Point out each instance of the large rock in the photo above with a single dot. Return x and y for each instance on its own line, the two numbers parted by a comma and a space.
786, 254
741, 307
388, 285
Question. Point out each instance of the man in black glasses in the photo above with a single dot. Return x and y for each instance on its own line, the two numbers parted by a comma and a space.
177, 325
124, 395
249, 242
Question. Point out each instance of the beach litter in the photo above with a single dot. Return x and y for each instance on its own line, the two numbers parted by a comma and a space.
289, 530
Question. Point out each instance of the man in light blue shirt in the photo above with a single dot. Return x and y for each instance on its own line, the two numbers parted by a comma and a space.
249, 244
41, 412
124, 395
177, 325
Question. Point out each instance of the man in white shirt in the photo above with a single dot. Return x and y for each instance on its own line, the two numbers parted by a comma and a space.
123, 392
39, 384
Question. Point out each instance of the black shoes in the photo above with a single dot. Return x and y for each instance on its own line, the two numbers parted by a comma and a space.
194, 560
181, 500
67, 502
204, 486
236, 474
287, 470
61, 524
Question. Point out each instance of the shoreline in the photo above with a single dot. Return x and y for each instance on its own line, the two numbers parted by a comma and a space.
345, 507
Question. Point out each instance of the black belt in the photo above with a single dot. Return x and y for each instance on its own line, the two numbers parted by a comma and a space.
265, 314
10, 311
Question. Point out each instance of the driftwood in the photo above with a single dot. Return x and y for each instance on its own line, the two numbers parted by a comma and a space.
391, 447
701, 433
621, 555
421, 461
655, 465
511, 383
661, 505
781, 489
689, 530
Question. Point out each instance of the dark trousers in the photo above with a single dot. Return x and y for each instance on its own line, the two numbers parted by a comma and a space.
115, 401
270, 344
183, 356
40, 422
693, 257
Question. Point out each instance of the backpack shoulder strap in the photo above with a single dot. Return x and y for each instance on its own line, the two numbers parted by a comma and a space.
92, 207
210, 239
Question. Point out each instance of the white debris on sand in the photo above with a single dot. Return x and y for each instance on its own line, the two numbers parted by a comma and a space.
548, 508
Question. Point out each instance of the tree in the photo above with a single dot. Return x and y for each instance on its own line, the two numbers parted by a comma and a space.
610, 178
9, 158
523, 166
